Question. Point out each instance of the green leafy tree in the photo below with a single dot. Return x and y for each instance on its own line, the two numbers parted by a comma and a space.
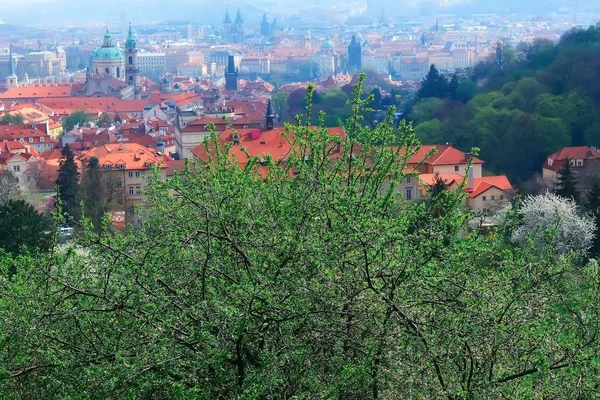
10, 119
23, 227
309, 278
592, 205
104, 119
67, 184
566, 182
93, 193
77, 118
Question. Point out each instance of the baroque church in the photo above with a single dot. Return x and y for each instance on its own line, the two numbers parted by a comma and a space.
114, 71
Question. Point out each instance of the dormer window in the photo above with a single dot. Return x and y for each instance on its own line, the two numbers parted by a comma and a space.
580, 163
121, 166
108, 167
572, 163
149, 165
30, 140
41, 139
550, 161
21, 140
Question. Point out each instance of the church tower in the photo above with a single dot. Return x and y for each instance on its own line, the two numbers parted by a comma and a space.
354, 55
265, 27
226, 24
231, 75
11, 79
131, 69
238, 28
270, 117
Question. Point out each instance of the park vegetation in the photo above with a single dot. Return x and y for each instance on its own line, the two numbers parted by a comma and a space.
312, 280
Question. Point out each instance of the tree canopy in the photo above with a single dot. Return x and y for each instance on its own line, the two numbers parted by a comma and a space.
23, 227
77, 118
526, 107
10, 119
67, 185
311, 278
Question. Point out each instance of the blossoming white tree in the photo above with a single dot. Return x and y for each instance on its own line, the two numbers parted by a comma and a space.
548, 218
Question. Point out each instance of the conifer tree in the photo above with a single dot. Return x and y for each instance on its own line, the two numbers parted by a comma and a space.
434, 85
453, 86
93, 193
592, 205
566, 185
68, 184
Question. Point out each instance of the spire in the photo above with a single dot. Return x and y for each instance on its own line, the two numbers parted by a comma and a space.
11, 63
238, 18
131, 39
227, 19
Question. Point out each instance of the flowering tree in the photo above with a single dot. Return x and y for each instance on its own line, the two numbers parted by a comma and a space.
555, 220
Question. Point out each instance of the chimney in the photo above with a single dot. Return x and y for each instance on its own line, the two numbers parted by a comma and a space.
594, 150
467, 156
471, 182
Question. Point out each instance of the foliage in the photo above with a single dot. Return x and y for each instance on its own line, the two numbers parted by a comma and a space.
551, 220
23, 227
93, 193
566, 182
77, 118
9, 184
592, 205
104, 119
67, 184
544, 99
314, 280
10, 119
434, 85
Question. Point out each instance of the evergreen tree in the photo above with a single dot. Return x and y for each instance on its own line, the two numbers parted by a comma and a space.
434, 85
566, 185
453, 86
22, 226
68, 184
93, 193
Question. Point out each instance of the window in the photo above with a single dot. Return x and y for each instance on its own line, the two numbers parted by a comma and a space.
550, 162
572, 163
131, 210
130, 174
41, 139
493, 197
409, 194
16, 168
408, 179
30, 140
21, 140
501, 197
131, 190
484, 198
138, 190
579, 163
130, 60
137, 174
118, 183
456, 168
121, 166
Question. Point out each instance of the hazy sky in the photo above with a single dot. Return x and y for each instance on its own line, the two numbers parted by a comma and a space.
55, 12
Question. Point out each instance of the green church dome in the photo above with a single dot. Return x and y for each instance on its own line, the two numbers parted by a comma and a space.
328, 44
108, 53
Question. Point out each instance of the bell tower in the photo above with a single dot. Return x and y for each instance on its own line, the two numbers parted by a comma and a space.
11, 79
132, 70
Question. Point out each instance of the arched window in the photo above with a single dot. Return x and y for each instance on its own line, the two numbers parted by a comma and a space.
130, 60
118, 72
107, 70
130, 78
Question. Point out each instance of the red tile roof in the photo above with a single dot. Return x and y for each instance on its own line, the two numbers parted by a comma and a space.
446, 155
570, 153
481, 185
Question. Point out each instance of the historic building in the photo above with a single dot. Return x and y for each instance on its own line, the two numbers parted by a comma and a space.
132, 70
11, 79
231, 75
233, 31
354, 55
109, 59
325, 59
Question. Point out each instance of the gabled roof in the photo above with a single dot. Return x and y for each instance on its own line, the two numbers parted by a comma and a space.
570, 153
445, 155
481, 185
